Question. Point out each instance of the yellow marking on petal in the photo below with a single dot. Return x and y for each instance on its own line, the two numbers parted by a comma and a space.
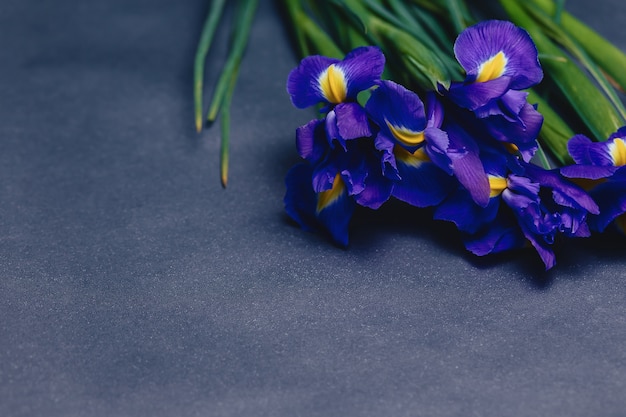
406, 136
618, 152
328, 197
413, 159
333, 84
496, 185
492, 68
511, 147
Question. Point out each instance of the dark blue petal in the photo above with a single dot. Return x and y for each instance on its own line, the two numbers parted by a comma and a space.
311, 141
498, 237
335, 213
611, 197
540, 231
461, 210
300, 200
422, 183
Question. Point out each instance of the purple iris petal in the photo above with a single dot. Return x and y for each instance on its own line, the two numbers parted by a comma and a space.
377, 190
323, 175
332, 130
352, 121
363, 66
523, 133
480, 43
336, 216
611, 197
300, 199
437, 148
434, 110
314, 211
303, 83
586, 152
466, 164
311, 141
393, 105
497, 237
358, 71
422, 183
461, 210
508, 106
540, 228
388, 159
473, 96
575, 195
590, 172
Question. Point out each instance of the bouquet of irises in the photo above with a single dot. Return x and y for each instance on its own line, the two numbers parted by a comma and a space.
464, 124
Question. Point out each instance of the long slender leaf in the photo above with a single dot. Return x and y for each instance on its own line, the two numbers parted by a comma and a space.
225, 125
593, 107
241, 31
561, 37
206, 38
611, 59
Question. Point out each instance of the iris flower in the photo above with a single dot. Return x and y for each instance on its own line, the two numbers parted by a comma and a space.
603, 164
342, 168
530, 206
499, 59
423, 154
335, 84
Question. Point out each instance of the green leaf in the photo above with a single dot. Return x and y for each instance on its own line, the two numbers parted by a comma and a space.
225, 125
241, 31
590, 103
611, 59
206, 38
563, 38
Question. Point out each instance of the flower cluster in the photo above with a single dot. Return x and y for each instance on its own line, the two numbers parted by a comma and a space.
465, 150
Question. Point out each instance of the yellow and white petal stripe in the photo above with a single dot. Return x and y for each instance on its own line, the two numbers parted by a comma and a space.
333, 84
618, 152
406, 136
411, 159
492, 68
328, 197
496, 185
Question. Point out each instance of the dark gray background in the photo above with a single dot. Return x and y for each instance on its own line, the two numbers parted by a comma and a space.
133, 285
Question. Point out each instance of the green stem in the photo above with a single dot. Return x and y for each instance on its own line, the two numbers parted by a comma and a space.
610, 58
241, 30
206, 38
225, 125
591, 105
561, 37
